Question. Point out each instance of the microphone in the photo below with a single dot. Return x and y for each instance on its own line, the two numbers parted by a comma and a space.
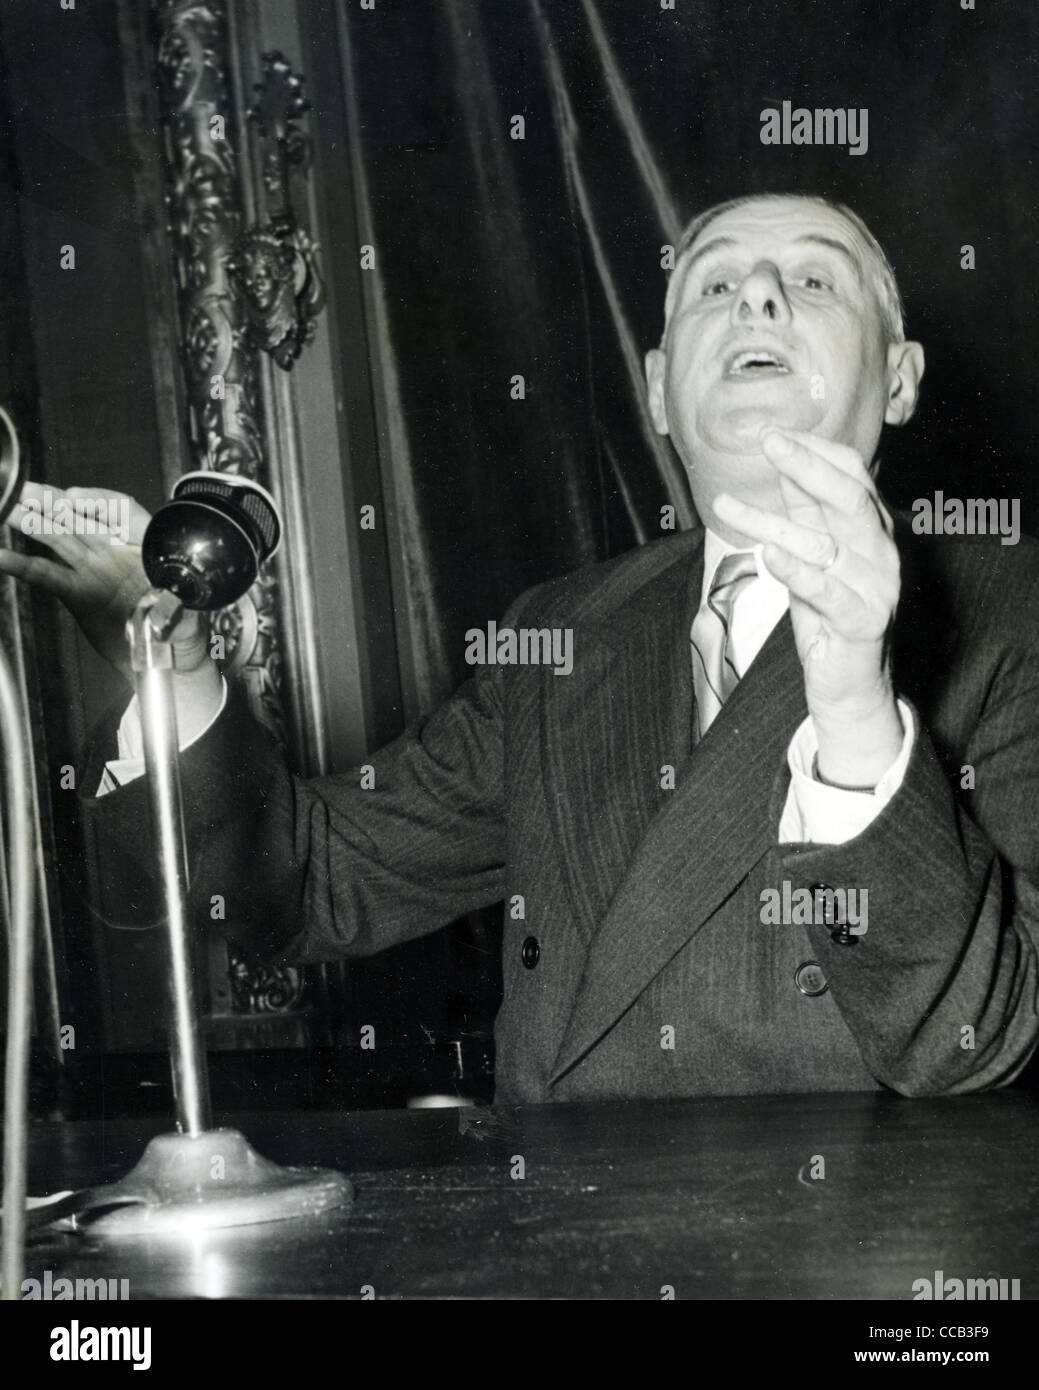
12, 469
203, 548
207, 544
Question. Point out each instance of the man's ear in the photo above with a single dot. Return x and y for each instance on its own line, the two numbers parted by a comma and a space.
656, 366
905, 364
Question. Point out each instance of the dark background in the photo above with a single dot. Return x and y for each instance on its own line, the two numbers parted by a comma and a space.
498, 256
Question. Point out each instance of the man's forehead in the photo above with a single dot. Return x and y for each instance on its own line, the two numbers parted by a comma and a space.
777, 221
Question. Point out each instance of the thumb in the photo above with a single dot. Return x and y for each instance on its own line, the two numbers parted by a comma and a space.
190, 641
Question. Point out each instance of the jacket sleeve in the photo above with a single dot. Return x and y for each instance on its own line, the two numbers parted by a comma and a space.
341, 865
942, 990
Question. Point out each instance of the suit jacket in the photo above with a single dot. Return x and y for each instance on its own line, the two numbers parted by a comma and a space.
635, 959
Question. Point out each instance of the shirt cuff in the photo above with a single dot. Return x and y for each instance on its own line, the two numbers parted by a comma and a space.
129, 765
818, 814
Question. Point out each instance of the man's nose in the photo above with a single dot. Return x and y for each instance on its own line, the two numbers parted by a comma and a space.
761, 296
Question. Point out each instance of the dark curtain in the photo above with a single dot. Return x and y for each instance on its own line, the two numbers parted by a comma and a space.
541, 257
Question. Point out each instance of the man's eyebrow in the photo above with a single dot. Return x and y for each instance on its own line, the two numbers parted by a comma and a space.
719, 243
834, 245
715, 244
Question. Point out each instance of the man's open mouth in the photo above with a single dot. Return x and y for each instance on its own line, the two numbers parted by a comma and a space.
756, 362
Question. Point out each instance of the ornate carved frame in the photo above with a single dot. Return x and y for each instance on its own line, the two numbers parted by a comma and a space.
247, 292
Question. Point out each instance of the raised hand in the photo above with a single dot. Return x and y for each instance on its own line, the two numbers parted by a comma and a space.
97, 577
835, 552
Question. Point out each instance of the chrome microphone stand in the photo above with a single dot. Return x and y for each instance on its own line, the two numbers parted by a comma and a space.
151, 657
199, 1178
149, 633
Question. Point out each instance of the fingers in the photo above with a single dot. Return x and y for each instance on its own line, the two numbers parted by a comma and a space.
45, 574
835, 478
799, 546
820, 475
795, 498
95, 515
846, 609
841, 456
801, 506
123, 512
853, 591
815, 547
818, 587
68, 548
40, 492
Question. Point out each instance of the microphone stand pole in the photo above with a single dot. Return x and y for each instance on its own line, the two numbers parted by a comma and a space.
151, 655
200, 1178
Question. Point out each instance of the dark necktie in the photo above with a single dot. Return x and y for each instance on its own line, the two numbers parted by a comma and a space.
715, 676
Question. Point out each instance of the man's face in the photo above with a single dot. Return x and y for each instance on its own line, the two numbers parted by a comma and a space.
262, 285
774, 321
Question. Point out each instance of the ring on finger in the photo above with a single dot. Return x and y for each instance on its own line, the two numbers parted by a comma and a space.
827, 564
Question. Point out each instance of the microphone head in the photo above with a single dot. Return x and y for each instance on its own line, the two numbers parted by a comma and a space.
208, 543
12, 471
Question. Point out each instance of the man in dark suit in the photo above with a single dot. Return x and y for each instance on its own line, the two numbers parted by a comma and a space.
746, 719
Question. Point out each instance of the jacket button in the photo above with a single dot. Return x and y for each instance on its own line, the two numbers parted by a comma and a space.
843, 936
531, 952
840, 933
809, 978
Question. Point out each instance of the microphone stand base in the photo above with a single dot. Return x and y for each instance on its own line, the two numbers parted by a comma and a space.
184, 1184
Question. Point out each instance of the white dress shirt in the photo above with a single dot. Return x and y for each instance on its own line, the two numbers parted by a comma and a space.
813, 811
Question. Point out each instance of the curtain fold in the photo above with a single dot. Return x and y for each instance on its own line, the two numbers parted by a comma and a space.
509, 362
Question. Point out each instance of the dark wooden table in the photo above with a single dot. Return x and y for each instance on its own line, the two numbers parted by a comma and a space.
714, 1198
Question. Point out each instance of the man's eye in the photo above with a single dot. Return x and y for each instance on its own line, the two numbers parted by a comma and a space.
815, 282
717, 287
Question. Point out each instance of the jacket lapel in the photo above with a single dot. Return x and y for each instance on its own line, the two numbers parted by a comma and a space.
705, 838
608, 728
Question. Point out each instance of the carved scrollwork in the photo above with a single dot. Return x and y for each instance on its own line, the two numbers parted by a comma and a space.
217, 340
241, 290
274, 267
263, 989
202, 340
